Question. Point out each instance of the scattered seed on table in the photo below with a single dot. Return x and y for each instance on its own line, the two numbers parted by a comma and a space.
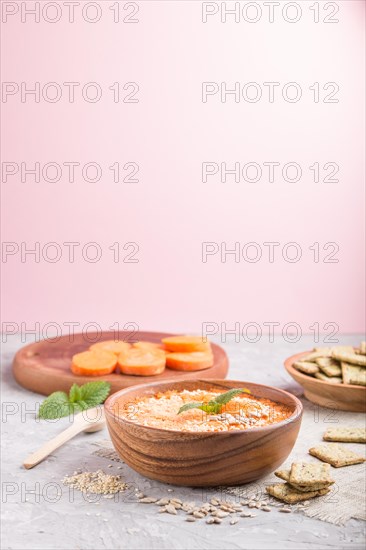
162, 502
162, 509
244, 502
285, 510
198, 515
252, 504
214, 501
234, 521
140, 495
148, 500
246, 515
209, 521
170, 509
221, 514
190, 518
266, 509
217, 520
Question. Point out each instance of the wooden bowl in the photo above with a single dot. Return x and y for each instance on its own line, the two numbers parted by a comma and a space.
203, 458
343, 397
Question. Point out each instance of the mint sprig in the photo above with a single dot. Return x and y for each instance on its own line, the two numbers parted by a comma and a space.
215, 405
80, 398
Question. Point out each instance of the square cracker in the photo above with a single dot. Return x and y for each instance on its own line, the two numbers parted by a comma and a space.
309, 474
353, 374
330, 379
329, 366
306, 367
353, 358
347, 435
320, 352
285, 475
348, 349
336, 455
286, 493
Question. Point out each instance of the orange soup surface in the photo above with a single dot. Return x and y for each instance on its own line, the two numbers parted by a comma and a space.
243, 412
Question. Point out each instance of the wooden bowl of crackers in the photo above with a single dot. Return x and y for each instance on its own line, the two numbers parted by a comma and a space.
333, 377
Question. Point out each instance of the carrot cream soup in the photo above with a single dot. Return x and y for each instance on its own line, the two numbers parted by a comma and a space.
161, 410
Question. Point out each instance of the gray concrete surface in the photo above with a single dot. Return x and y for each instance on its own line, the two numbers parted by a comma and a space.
38, 512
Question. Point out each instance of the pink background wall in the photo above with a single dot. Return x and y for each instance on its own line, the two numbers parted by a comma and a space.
169, 133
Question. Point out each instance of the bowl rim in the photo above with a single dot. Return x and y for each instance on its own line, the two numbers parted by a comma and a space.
291, 370
296, 415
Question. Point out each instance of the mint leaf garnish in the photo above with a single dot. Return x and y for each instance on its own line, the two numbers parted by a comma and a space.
187, 406
215, 405
80, 398
94, 393
55, 406
74, 393
224, 398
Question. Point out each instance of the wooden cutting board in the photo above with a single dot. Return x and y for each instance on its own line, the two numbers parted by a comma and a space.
44, 367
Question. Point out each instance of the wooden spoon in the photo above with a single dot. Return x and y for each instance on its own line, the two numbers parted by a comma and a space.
91, 420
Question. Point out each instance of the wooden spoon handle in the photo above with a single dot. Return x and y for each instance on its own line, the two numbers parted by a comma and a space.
46, 449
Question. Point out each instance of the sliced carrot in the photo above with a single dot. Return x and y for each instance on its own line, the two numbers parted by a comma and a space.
186, 344
149, 345
197, 360
113, 346
142, 362
93, 363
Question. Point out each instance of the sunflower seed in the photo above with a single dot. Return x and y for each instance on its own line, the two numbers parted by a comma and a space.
234, 521
170, 509
190, 518
221, 514
148, 500
162, 502
285, 510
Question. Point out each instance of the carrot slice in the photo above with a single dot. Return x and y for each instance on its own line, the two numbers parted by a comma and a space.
113, 346
93, 363
142, 362
197, 360
186, 344
149, 345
